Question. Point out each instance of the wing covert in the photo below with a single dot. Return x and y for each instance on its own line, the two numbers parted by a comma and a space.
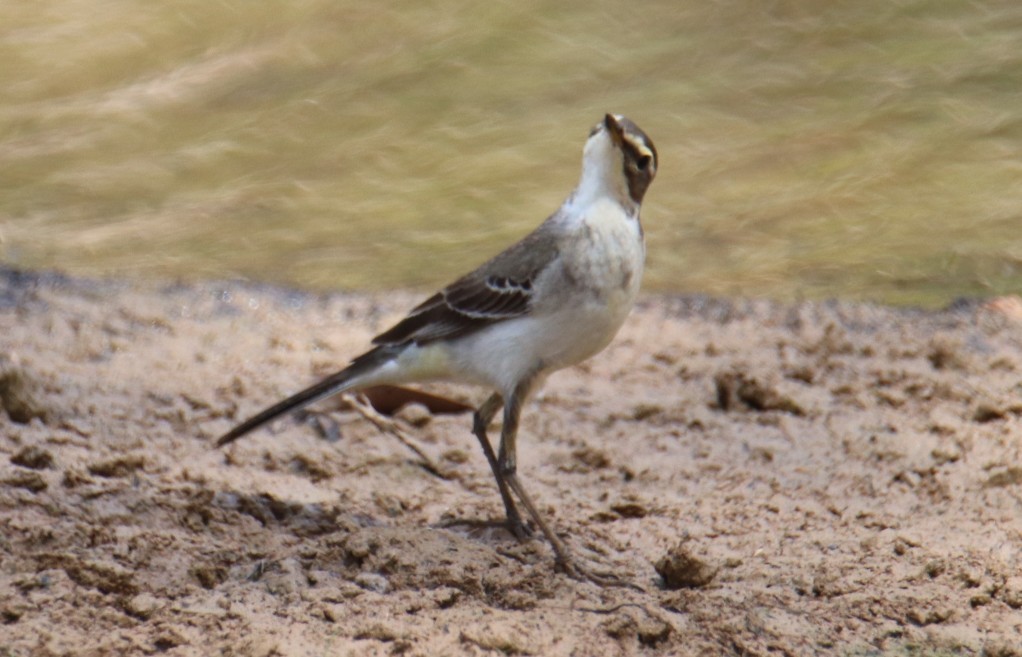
500, 289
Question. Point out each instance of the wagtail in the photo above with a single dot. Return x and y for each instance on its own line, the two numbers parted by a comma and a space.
552, 300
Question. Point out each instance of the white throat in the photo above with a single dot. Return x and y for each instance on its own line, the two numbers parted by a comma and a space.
602, 175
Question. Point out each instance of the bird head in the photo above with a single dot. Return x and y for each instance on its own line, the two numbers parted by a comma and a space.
619, 159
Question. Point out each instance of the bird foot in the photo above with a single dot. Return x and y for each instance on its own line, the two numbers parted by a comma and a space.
605, 579
518, 529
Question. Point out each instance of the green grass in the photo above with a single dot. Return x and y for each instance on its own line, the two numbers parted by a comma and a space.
864, 149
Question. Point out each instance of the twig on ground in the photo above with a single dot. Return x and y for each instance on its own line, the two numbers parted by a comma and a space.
387, 425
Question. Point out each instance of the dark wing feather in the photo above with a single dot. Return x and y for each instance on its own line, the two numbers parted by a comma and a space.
498, 290
490, 298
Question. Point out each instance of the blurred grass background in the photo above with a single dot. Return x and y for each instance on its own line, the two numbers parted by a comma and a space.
863, 149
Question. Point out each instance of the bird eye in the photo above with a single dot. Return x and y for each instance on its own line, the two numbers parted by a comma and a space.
643, 162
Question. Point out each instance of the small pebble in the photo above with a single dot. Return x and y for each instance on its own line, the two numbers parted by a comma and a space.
372, 582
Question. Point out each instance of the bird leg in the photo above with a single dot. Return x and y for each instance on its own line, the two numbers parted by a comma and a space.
507, 463
480, 423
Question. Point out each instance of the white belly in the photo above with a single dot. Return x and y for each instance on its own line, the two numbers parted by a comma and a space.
585, 300
581, 300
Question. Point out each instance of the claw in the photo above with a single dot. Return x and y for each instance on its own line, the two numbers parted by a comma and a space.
604, 579
518, 529
521, 531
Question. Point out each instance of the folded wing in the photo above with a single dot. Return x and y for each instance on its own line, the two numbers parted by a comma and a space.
501, 289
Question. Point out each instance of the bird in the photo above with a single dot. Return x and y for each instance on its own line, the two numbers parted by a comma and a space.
553, 299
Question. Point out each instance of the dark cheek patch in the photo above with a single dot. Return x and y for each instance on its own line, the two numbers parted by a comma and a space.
638, 182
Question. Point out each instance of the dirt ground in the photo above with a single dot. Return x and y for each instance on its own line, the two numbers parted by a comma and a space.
800, 479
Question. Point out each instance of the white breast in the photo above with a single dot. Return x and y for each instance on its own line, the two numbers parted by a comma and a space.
582, 300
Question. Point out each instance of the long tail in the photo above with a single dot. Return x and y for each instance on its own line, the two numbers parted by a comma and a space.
333, 384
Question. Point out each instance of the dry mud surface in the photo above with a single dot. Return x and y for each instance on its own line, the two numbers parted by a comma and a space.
773, 479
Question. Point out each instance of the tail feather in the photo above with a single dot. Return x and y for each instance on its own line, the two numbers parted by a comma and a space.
331, 385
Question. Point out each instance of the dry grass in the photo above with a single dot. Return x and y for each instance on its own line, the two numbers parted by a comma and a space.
860, 149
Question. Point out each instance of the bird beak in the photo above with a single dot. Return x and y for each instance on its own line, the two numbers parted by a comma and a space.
615, 130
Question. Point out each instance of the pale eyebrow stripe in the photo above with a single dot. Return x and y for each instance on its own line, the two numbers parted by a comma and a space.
640, 147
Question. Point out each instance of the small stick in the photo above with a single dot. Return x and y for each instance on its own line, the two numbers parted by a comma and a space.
387, 425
